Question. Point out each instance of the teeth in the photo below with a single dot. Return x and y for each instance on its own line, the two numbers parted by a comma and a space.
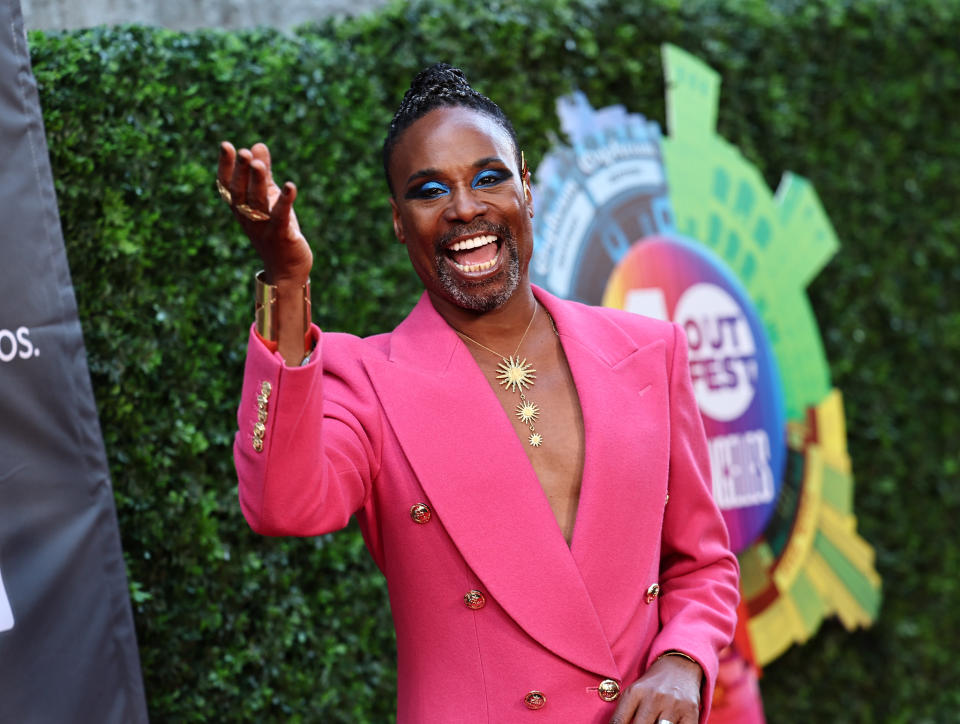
473, 243
476, 267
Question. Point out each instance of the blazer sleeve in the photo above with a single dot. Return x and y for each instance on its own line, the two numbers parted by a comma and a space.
307, 445
699, 575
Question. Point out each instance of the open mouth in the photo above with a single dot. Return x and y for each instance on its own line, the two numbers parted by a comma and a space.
476, 254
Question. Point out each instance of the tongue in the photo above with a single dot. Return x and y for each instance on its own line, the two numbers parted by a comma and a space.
475, 256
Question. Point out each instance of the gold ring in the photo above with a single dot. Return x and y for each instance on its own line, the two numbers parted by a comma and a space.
251, 213
224, 192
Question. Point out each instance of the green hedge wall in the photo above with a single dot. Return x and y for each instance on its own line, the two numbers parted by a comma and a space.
861, 97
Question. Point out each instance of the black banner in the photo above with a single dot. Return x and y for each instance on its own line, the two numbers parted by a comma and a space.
68, 651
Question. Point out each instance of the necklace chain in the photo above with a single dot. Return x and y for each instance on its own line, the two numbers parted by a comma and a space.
519, 344
516, 375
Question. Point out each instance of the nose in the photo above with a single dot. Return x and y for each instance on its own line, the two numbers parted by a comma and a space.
465, 205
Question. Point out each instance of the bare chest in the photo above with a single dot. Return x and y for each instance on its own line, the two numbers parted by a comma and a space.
549, 422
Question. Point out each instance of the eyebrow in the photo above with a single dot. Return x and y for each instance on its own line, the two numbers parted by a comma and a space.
421, 173
488, 160
480, 163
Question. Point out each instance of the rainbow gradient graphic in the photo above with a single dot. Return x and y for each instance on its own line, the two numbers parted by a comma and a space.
735, 374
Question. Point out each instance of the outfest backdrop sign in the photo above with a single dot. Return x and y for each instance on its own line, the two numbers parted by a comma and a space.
68, 651
684, 228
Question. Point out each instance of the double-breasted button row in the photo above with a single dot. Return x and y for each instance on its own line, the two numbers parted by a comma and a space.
608, 690
260, 426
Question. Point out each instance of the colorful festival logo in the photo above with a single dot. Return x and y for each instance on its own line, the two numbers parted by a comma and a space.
683, 228
735, 375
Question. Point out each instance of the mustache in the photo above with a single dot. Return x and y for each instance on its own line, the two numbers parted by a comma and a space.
476, 227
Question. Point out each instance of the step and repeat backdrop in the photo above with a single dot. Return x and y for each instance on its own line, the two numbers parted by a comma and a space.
68, 651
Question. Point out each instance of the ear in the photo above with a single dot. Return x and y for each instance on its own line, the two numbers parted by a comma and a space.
528, 193
397, 223
525, 178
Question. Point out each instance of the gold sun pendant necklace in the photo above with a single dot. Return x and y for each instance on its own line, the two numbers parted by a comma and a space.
517, 375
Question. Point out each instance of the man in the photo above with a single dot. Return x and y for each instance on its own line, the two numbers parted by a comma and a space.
530, 474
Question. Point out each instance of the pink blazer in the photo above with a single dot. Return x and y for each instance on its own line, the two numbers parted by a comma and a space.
376, 426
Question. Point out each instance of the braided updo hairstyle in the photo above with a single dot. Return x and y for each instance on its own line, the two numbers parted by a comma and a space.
440, 86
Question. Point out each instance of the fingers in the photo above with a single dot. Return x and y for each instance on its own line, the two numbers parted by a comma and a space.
262, 178
246, 183
641, 705
246, 176
262, 153
645, 715
672, 718
649, 712
241, 177
280, 214
626, 708
228, 155
257, 188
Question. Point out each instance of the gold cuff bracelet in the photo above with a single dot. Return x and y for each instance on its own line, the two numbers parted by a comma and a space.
265, 296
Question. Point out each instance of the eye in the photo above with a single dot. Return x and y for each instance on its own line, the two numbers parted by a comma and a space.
489, 177
429, 190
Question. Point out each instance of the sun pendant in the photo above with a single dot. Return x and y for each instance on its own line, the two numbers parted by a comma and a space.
515, 374
536, 439
527, 412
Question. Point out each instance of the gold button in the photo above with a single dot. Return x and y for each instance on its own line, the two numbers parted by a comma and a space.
474, 600
420, 513
262, 401
608, 690
261, 415
258, 444
265, 388
667, 500
258, 429
652, 593
535, 700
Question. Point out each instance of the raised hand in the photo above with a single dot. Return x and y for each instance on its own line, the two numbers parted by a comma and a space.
265, 211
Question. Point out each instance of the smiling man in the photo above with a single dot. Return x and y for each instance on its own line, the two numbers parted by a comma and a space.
530, 474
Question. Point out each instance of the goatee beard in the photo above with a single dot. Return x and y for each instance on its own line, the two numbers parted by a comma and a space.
487, 294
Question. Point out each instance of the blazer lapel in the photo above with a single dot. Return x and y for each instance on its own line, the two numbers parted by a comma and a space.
624, 399
473, 469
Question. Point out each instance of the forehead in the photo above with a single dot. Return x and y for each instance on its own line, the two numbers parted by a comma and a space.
446, 138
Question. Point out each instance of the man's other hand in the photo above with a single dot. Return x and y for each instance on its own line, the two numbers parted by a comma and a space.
670, 690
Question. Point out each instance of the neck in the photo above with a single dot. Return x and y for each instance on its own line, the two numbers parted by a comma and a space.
499, 328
